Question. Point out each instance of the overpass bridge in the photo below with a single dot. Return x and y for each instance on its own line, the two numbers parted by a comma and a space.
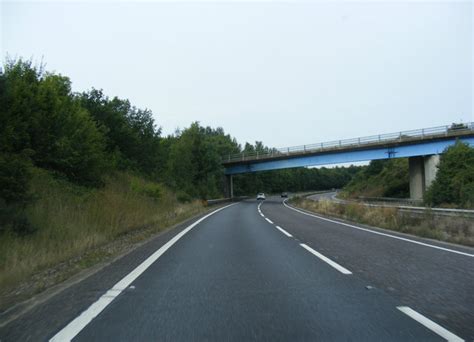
422, 147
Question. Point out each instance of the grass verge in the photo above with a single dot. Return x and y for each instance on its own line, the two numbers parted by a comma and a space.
77, 227
458, 230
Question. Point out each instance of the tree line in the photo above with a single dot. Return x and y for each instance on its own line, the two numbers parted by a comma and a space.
83, 136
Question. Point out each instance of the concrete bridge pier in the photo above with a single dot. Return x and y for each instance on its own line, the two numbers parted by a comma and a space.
229, 186
422, 171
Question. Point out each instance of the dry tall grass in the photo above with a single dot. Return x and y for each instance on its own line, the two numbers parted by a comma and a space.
72, 220
452, 229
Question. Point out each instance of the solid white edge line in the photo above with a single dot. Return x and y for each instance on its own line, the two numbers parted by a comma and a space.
379, 233
268, 220
80, 322
338, 267
283, 231
436, 328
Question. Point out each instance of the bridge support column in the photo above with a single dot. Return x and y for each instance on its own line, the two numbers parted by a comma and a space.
431, 168
422, 171
417, 177
229, 186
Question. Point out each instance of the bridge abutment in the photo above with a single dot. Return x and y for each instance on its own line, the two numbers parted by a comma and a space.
422, 172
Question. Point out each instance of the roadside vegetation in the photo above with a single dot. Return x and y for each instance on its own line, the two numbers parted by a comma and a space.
75, 225
381, 178
454, 183
452, 188
451, 229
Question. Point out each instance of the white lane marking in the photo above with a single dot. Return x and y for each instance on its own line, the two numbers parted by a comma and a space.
262, 215
283, 231
436, 328
379, 233
81, 321
327, 260
269, 221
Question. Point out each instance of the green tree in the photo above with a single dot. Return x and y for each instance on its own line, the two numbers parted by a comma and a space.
131, 136
41, 118
195, 157
454, 183
381, 178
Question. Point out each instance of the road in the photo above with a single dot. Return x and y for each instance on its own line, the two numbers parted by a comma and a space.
330, 195
267, 273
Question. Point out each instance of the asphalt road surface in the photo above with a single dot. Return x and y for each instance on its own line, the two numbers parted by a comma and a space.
269, 272
330, 195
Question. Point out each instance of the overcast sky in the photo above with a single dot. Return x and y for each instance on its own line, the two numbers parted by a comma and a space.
285, 73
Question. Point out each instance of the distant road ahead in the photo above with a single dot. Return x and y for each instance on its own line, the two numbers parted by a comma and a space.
330, 195
272, 273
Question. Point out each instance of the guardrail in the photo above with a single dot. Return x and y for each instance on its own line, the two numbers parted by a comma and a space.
402, 201
468, 213
225, 200
417, 134
424, 210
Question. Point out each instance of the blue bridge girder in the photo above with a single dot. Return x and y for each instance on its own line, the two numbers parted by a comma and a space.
342, 152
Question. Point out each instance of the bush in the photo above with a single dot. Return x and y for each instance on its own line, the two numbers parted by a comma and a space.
15, 175
149, 189
381, 178
454, 183
183, 197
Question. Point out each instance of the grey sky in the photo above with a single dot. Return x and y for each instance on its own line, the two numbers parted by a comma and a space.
284, 73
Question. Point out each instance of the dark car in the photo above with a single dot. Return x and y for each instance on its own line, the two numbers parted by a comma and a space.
284, 194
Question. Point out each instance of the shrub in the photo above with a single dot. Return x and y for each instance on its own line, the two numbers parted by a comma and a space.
454, 183
183, 197
15, 177
150, 189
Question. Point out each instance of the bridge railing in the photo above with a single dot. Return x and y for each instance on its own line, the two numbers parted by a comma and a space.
423, 133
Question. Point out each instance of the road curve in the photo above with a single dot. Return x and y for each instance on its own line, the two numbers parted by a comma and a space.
270, 273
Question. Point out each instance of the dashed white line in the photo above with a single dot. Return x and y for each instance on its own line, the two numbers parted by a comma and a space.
327, 260
269, 221
81, 321
379, 233
436, 328
283, 231
262, 215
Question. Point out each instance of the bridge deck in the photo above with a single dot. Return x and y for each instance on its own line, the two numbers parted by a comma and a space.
355, 144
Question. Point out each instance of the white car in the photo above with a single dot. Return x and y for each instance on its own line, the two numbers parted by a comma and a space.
261, 196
